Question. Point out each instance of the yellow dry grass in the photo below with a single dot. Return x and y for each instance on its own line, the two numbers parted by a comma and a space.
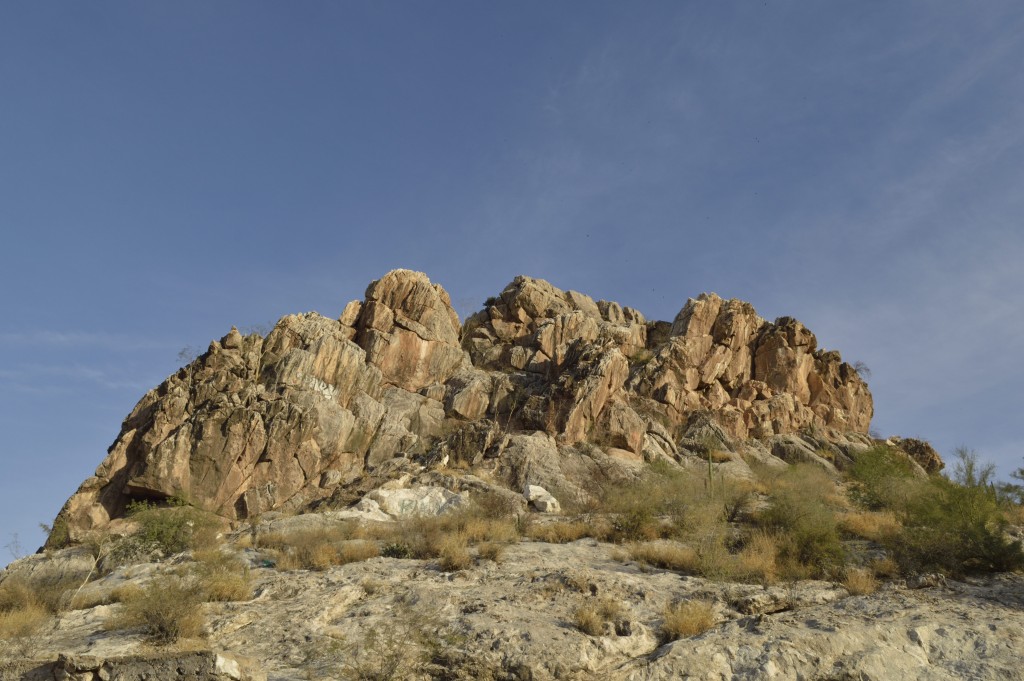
872, 525
687, 618
860, 582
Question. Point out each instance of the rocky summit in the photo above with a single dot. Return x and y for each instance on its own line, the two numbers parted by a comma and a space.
554, 488
262, 424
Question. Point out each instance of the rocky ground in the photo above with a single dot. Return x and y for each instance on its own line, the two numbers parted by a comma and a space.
515, 618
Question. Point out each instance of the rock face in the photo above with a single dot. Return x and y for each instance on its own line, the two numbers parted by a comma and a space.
259, 424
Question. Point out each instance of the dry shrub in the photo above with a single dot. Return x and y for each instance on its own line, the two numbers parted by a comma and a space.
320, 548
27, 603
591, 616
372, 585
453, 554
16, 592
492, 551
166, 610
559, 532
859, 582
490, 530
1014, 514
356, 551
876, 526
22, 611
719, 456
667, 555
687, 618
22, 622
222, 576
801, 516
885, 568
757, 560
587, 620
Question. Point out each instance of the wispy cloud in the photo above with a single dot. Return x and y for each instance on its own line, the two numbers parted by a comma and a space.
83, 339
55, 378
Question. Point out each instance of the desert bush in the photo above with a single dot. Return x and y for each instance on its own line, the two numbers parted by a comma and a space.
803, 522
956, 527
666, 555
23, 609
453, 553
592, 615
953, 525
687, 618
559, 532
415, 643
877, 526
492, 551
395, 550
860, 582
320, 548
164, 531
879, 477
174, 528
22, 622
886, 567
222, 576
166, 610
484, 529
50, 591
757, 560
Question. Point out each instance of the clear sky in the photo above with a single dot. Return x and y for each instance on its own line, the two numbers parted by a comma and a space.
168, 169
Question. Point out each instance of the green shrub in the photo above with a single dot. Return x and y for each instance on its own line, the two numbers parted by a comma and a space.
955, 528
880, 477
164, 531
802, 519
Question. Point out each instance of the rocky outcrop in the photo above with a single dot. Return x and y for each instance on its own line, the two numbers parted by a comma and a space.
541, 383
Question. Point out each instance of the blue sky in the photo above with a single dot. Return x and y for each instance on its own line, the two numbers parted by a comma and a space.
170, 169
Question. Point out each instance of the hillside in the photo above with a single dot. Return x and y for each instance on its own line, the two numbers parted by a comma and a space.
555, 488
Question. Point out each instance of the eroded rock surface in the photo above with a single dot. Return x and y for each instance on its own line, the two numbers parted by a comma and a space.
546, 383
514, 619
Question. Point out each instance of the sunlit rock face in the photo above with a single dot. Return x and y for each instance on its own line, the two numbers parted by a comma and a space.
264, 423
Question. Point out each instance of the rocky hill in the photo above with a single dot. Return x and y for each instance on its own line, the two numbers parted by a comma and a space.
261, 424
556, 488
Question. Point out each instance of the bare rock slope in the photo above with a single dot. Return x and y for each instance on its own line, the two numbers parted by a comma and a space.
258, 424
514, 620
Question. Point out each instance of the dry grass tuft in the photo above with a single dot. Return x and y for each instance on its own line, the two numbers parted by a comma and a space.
23, 621
687, 618
875, 526
667, 555
166, 610
860, 582
453, 553
492, 551
321, 548
26, 604
591, 616
758, 559
885, 568
560, 532
222, 576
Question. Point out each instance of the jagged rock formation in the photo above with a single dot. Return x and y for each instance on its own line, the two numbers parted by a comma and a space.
540, 381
